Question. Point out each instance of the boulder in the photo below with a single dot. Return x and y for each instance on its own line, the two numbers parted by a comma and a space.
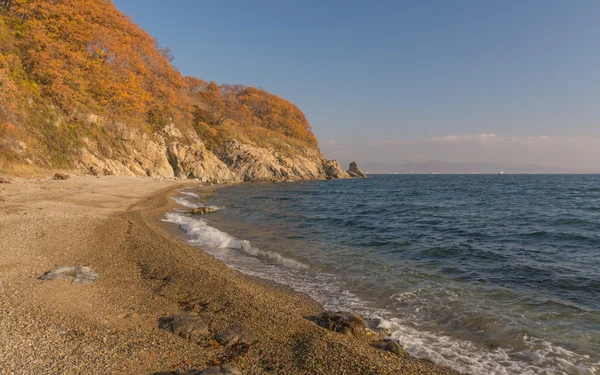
347, 323
189, 326
354, 171
60, 176
390, 346
236, 334
217, 370
395, 348
80, 274
202, 211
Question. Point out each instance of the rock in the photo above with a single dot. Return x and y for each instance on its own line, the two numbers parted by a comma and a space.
194, 161
253, 163
347, 323
217, 370
333, 170
172, 152
354, 171
236, 334
390, 346
189, 326
202, 211
80, 274
94, 171
60, 176
4, 180
395, 348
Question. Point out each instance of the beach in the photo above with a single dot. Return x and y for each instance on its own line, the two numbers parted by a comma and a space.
146, 272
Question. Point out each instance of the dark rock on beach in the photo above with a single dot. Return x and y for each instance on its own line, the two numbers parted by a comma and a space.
80, 274
354, 171
347, 323
235, 334
390, 346
202, 211
395, 348
60, 176
188, 326
216, 370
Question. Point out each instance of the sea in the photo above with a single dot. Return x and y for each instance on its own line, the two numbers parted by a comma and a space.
486, 274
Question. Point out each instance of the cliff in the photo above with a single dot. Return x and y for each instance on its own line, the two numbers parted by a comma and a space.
82, 87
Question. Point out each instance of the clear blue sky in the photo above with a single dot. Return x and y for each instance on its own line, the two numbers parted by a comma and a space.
393, 72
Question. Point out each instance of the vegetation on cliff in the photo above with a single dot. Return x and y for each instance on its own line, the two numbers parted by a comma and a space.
74, 73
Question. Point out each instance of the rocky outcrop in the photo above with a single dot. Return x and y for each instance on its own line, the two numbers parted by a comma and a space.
252, 163
195, 161
171, 153
354, 171
333, 170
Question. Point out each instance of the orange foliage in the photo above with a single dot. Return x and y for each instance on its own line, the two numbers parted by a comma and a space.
87, 52
250, 106
86, 56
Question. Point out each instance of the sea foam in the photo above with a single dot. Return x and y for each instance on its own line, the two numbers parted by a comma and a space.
541, 357
189, 194
203, 235
187, 203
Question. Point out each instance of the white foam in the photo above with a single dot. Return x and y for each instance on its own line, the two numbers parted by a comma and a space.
189, 194
204, 235
541, 357
186, 203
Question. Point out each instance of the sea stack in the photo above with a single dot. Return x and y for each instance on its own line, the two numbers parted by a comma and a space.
354, 171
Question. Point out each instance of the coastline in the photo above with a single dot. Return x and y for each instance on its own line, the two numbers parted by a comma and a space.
113, 225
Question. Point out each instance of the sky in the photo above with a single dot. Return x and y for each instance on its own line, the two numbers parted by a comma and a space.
505, 81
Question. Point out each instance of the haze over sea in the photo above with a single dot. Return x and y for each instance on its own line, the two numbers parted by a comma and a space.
488, 274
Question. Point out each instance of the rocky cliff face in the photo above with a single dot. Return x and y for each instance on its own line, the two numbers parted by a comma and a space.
169, 153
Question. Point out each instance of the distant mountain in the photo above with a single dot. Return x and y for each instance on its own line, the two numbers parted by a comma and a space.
443, 167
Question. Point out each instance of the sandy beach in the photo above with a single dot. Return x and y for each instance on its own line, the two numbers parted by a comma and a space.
146, 272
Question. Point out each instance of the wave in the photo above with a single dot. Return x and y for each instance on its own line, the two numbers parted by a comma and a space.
189, 194
539, 356
185, 202
204, 235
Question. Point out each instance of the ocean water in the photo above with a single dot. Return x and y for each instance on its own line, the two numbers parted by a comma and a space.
487, 274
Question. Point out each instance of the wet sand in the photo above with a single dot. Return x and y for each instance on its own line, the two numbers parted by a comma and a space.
112, 225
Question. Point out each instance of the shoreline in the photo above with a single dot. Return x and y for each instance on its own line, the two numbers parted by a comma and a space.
113, 225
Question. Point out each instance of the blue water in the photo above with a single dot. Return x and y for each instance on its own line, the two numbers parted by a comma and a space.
488, 274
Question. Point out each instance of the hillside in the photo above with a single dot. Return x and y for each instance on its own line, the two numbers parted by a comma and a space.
82, 87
